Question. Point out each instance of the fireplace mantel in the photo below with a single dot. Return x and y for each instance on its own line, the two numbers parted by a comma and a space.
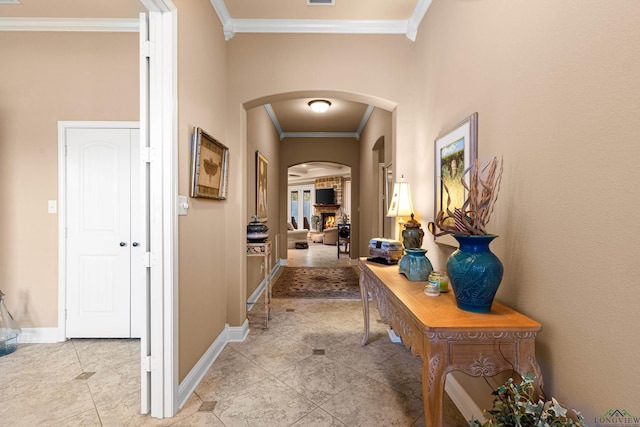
327, 206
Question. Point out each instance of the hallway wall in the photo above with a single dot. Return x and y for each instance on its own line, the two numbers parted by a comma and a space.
202, 232
556, 88
262, 136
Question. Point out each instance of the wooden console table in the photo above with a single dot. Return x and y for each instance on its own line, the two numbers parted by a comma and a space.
445, 337
263, 250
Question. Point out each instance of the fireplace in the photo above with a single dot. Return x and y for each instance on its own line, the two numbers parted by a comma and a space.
328, 219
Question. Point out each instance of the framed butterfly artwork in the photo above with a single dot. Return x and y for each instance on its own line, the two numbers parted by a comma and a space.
209, 167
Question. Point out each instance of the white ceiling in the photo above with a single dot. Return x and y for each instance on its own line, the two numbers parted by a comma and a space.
308, 172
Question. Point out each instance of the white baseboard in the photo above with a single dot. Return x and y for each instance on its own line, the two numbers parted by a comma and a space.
393, 337
39, 336
238, 333
463, 401
255, 296
197, 373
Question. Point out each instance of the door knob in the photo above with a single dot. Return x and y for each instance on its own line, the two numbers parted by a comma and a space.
123, 244
134, 244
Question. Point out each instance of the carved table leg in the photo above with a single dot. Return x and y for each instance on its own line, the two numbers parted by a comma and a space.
365, 307
433, 378
528, 363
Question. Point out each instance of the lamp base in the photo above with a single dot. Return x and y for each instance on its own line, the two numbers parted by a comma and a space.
412, 234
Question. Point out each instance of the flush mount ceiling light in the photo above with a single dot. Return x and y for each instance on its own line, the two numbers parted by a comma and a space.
319, 105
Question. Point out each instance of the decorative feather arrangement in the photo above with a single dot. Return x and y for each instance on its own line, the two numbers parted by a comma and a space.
481, 187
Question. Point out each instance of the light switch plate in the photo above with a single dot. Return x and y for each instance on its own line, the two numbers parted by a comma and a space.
52, 206
183, 205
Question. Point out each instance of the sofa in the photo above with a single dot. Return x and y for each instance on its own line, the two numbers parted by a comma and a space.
294, 236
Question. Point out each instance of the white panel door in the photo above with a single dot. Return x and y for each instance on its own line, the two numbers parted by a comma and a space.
98, 233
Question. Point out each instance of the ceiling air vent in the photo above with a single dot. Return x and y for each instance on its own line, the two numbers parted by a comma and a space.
321, 2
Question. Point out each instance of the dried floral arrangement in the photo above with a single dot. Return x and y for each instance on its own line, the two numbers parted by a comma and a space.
482, 192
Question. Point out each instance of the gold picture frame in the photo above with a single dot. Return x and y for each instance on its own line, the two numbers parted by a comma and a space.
209, 167
262, 186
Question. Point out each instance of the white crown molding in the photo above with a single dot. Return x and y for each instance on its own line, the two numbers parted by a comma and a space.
159, 5
317, 26
321, 26
225, 18
319, 135
416, 18
125, 25
365, 119
274, 119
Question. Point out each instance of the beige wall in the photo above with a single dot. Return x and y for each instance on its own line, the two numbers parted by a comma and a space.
376, 145
262, 136
556, 87
202, 239
47, 77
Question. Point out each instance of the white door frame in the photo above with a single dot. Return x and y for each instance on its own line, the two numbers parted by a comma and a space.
158, 132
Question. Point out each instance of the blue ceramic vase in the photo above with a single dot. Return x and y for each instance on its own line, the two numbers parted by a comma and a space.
475, 273
415, 265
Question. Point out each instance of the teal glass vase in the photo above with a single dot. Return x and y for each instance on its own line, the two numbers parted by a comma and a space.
415, 265
475, 273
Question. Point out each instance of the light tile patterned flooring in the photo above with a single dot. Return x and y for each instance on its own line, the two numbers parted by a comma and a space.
307, 369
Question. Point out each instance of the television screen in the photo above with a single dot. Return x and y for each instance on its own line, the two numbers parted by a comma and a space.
325, 196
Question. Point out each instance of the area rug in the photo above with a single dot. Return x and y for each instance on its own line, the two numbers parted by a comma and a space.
317, 282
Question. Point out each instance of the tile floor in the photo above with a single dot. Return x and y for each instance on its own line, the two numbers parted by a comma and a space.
307, 369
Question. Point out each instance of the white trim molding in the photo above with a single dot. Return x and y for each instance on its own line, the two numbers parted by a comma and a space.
463, 401
117, 25
255, 296
408, 27
39, 336
197, 373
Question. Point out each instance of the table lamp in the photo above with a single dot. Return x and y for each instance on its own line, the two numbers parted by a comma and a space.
402, 206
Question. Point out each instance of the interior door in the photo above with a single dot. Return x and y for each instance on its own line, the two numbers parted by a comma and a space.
99, 232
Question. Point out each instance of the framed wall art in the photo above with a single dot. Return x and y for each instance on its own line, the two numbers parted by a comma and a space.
209, 167
455, 150
262, 165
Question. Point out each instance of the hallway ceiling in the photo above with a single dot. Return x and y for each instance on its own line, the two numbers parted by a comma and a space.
294, 118
308, 172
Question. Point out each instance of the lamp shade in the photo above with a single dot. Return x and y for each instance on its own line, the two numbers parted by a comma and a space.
401, 202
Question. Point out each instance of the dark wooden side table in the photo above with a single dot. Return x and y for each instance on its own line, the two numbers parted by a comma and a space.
445, 337
344, 238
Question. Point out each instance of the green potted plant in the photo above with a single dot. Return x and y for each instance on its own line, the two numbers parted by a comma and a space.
517, 405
